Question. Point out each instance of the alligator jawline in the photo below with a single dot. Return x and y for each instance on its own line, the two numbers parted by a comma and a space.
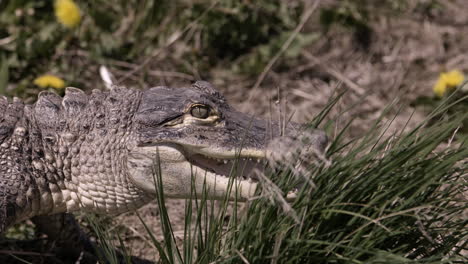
242, 168
226, 168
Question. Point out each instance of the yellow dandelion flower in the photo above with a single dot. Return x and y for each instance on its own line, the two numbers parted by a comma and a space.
67, 13
48, 80
447, 82
454, 78
439, 88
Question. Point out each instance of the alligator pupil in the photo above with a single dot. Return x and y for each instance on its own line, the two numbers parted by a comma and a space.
200, 111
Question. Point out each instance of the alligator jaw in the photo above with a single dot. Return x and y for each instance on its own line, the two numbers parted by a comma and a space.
185, 167
222, 165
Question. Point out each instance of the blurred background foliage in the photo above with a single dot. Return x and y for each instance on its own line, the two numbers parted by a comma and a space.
237, 36
148, 42
32, 42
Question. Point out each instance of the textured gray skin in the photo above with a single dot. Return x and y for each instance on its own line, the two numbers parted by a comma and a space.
78, 152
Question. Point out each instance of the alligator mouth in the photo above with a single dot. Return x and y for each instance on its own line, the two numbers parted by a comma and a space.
184, 168
242, 168
240, 164
228, 169
234, 170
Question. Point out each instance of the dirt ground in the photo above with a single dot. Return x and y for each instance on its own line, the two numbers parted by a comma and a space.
401, 62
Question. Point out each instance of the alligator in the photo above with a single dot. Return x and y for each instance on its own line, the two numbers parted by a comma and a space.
97, 152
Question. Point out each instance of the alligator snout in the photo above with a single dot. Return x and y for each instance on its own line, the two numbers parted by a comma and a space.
303, 145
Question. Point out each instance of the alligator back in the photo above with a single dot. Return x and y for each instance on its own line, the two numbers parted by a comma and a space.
13, 180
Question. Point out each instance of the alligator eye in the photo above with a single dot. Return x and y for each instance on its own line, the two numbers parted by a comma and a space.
200, 111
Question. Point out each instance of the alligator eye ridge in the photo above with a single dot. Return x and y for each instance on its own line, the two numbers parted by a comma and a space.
200, 111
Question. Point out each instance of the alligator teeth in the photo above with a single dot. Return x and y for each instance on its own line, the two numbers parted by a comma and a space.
220, 175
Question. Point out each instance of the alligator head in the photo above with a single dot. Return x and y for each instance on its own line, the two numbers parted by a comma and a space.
193, 138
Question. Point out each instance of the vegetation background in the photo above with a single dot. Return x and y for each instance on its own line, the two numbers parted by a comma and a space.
388, 55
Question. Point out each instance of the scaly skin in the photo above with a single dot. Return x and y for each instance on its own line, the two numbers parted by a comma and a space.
97, 152
61, 155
